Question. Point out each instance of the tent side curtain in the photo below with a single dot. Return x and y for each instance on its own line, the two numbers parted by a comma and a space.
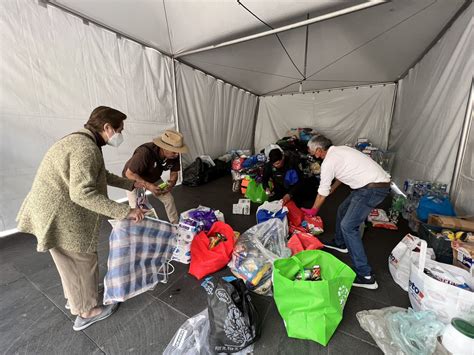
341, 115
464, 194
55, 72
431, 105
214, 117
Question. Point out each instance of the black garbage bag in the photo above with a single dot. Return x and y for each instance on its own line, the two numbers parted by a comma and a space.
219, 169
234, 320
200, 172
196, 173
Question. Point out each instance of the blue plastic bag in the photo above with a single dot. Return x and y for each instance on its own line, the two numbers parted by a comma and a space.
291, 177
250, 161
264, 215
434, 205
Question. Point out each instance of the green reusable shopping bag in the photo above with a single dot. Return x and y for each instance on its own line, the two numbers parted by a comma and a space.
311, 309
255, 192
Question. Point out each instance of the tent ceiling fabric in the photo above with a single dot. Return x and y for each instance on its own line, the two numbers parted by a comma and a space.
374, 45
196, 23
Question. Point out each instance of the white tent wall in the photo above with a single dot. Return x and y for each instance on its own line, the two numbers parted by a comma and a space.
343, 115
214, 116
54, 71
430, 109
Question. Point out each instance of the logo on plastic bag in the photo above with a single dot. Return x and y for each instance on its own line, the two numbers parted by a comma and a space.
222, 296
343, 293
415, 291
392, 259
235, 327
208, 285
179, 338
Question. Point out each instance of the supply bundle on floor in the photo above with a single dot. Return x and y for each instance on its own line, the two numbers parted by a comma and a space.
207, 254
234, 320
311, 309
444, 289
254, 253
138, 258
191, 222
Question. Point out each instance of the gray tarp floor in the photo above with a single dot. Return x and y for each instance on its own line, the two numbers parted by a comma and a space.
34, 320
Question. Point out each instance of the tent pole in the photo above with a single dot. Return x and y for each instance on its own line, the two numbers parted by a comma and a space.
176, 118
466, 127
254, 128
394, 102
328, 16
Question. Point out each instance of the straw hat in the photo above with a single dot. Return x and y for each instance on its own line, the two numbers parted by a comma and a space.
172, 141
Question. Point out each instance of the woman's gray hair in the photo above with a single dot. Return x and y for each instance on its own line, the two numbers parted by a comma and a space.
319, 142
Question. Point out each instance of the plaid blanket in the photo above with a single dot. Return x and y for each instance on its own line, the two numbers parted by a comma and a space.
138, 258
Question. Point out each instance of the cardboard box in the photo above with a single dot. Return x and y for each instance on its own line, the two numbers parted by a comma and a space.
463, 254
243, 207
461, 223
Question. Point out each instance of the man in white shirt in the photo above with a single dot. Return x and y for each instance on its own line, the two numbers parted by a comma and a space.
370, 185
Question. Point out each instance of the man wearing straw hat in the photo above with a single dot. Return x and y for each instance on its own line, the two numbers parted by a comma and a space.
147, 165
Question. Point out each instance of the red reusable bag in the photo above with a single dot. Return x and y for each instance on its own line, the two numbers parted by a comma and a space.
303, 241
205, 261
295, 215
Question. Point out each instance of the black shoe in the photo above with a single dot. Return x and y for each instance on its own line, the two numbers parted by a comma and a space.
332, 245
369, 283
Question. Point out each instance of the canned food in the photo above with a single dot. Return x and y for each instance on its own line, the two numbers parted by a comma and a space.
316, 273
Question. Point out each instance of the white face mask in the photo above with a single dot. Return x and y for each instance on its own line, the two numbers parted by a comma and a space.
115, 140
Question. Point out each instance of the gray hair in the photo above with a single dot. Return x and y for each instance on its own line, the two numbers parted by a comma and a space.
319, 142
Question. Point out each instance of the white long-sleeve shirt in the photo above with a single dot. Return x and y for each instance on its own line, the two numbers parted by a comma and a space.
350, 167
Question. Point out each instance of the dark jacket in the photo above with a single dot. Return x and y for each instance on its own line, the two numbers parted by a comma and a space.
277, 176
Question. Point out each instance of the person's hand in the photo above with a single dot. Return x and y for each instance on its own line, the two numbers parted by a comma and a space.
139, 185
155, 190
310, 211
286, 199
136, 214
169, 187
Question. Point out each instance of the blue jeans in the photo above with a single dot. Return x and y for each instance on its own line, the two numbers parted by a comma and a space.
350, 215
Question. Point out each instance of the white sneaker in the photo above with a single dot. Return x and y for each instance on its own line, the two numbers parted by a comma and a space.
82, 323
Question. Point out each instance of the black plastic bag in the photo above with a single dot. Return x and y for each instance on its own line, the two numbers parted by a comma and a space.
199, 172
196, 173
219, 169
234, 321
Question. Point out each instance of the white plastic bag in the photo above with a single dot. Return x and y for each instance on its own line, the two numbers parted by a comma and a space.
188, 228
427, 293
401, 258
375, 322
274, 208
193, 338
270, 147
254, 253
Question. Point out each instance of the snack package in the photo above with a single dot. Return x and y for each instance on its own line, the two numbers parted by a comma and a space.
377, 214
163, 185
384, 225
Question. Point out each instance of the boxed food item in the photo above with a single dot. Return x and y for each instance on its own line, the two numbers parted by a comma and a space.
243, 207
464, 223
463, 254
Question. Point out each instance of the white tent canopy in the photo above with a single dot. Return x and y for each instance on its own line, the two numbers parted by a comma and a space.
374, 45
60, 59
